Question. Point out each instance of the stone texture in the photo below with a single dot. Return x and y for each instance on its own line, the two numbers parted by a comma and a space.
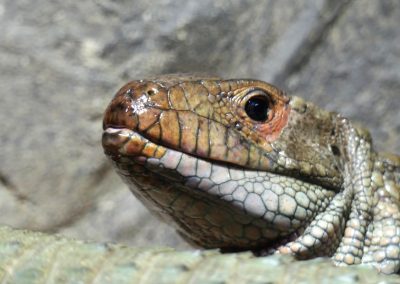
61, 62
355, 70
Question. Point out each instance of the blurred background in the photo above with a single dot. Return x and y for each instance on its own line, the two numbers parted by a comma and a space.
62, 61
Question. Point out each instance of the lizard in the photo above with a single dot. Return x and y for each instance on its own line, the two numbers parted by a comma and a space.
239, 165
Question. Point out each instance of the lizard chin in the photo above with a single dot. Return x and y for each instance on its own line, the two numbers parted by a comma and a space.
214, 205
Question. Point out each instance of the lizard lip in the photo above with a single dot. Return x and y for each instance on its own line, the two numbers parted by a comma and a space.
120, 141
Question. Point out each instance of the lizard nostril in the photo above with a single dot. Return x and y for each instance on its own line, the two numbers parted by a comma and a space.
151, 92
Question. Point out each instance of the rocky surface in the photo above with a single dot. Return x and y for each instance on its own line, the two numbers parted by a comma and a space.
61, 62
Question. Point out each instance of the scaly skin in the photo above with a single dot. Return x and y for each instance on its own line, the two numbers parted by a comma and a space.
300, 181
29, 257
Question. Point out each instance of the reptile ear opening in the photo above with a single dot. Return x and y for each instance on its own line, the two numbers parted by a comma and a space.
335, 150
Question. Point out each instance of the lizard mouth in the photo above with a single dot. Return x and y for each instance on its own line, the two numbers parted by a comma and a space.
120, 141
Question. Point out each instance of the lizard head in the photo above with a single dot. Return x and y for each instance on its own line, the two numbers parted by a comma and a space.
233, 152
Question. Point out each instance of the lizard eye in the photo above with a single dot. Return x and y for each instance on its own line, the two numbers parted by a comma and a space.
257, 106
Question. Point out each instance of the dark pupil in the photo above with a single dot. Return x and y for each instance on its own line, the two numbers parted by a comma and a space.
257, 108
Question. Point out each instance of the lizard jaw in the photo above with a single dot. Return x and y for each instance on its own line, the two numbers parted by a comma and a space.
213, 205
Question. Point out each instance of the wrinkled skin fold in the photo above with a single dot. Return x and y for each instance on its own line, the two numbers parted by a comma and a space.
294, 179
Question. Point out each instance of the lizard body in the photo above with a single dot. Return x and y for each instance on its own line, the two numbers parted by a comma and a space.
239, 165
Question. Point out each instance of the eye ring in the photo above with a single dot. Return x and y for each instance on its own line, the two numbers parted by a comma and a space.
258, 105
